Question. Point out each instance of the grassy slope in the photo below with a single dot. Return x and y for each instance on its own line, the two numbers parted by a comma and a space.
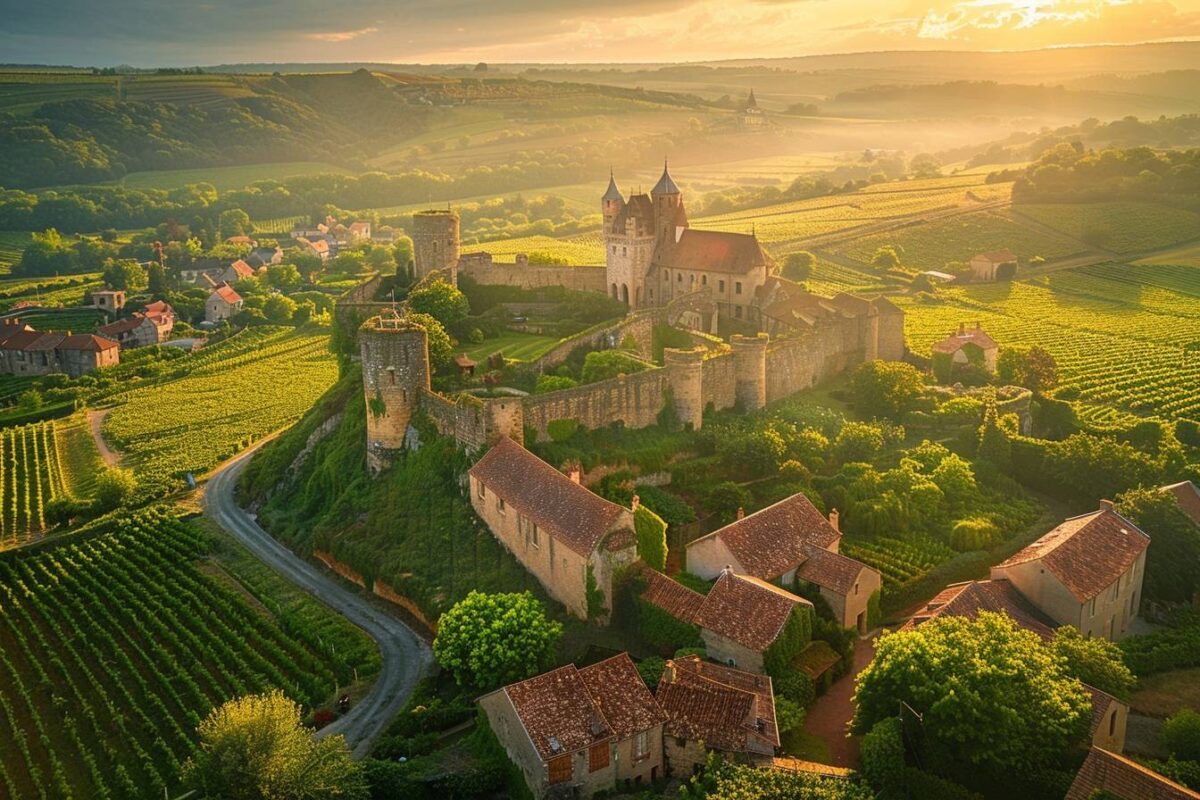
227, 178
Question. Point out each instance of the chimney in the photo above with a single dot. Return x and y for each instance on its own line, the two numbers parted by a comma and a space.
668, 675
573, 473
833, 519
1106, 505
741, 513
633, 505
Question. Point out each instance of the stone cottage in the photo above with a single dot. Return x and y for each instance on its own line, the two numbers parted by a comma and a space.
965, 346
1188, 497
564, 534
993, 265
1087, 572
969, 598
222, 304
712, 707
574, 732
790, 542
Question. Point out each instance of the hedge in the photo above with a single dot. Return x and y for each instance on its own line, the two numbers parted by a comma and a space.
651, 537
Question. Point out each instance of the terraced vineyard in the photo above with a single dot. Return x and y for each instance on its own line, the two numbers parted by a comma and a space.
39, 462
278, 225
111, 651
228, 398
68, 290
1120, 227
1120, 343
12, 244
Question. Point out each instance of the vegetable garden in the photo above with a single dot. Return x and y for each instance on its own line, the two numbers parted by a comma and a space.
112, 649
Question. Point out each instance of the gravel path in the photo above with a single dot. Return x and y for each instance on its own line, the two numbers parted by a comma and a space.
405, 656
96, 421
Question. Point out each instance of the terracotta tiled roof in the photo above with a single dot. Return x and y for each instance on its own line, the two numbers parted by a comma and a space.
241, 240
557, 712
226, 293
747, 610
88, 342
242, 269
969, 598
713, 251
121, 326
1101, 703
1124, 778
672, 596
563, 508
998, 256
622, 696
771, 542
39, 341
1087, 553
789, 764
13, 333
1188, 497
964, 336
831, 570
725, 708
159, 307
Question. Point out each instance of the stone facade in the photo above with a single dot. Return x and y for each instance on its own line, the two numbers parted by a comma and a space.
395, 367
435, 236
480, 268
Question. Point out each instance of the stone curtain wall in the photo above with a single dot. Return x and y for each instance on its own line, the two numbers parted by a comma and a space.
532, 276
795, 364
640, 324
475, 422
634, 400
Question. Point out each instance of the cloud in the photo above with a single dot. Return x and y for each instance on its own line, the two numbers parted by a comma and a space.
340, 36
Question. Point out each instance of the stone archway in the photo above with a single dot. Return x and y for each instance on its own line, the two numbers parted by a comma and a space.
614, 292
625, 293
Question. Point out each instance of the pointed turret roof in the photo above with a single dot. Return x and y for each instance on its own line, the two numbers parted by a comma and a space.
750, 101
613, 193
665, 185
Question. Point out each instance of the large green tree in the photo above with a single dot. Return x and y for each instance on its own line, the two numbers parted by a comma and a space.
799, 266
487, 640
1031, 367
886, 388
1095, 661
442, 301
255, 748
1173, 562
126, 274
988, 696
441, 349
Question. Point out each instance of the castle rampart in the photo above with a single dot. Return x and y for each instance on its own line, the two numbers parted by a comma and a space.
481, 268
750, 367
685, 369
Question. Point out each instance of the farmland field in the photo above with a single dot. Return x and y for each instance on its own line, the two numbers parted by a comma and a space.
226, 178
69, 290
230, 396
1120, 227
76, 320
113, 648
1121, 343
278, 225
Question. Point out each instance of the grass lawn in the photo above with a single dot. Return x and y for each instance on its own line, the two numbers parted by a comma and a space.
515, 346
1163, 694
226, 178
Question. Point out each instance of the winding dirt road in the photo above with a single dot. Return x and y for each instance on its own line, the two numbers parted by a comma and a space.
405, 656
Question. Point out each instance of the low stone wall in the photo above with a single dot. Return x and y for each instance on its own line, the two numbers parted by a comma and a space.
639, 324
634, 400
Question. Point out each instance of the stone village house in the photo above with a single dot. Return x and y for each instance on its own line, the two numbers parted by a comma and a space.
25, 351
987, 266
558, 529
222, 304
791, 542
966, 346
150, 326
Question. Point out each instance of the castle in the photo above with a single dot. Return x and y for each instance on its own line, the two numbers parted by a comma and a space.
669, 274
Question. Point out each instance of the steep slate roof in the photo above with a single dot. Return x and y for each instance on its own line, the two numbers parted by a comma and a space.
666, 184
1101, 703
1188, 497
964, 336
639, 208
969, 598
556, 708
622, 696
998, 256
720, 705
672, 596
747, 610
831, 570
713, 251
612, 192
1087, 553
1125, 778
565, 509
771, 542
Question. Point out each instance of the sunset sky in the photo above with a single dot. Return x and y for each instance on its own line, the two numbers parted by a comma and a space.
186, 32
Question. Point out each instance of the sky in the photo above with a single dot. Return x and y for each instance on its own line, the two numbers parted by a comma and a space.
204, 32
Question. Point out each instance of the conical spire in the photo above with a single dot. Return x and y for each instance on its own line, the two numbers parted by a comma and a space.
613, 193
750, 101
665, 184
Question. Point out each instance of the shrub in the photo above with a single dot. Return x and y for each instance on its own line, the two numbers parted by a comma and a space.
973, 533
795, 636
562, 429
882, 755
114, 486
664, 631
606, 364
796, 686
651, 670
788, 714
1181, 735
554, 383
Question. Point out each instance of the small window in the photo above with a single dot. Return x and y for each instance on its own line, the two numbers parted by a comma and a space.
598, 757
500, 505
737, 311
737, 288
856, 588
641, 746
482, 489
1091, 608
666, 276
720, 286
560, 769
614, 249
624, 251
533, 534
1112, 723
704, 280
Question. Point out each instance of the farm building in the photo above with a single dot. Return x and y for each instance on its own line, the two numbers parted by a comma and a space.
965, 346
994, 265
151, 326
25, 351
222, 304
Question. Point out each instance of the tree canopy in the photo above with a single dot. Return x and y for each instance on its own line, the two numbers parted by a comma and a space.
442, 301
487, 640
1031, 367
886, 388
1173, 563
1095, 661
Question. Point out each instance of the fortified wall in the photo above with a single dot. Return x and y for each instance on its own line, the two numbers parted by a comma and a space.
481, 268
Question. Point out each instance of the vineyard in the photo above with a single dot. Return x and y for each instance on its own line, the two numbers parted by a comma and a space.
279, 225
1119, 342
70, 290
899, 561
228, 398
1120, 227
228, 178
114, 648
579, 250
12, 244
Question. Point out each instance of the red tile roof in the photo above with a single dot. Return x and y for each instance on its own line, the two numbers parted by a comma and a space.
1101, 703
563, 508
20, 340
1087, 553
831, 570
964, 336
121, 326
672, 596
969, 598
557, 712
771, 542
10, 328
43, 341
713, 251
998, 256
622, 696
725, 708
226, 293
747, 610
1188, 497
88, 342
1124, 778
242, 269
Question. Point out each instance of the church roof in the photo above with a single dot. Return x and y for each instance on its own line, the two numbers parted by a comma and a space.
715, 251
613, 192
665, 185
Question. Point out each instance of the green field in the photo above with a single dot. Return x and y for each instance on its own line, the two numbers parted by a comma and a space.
23, 92
112, 649
227, 178
12, 244
230, 396
76, 320
1185, 256
69, 290
1120, 227
580, 250
514, 345
1121, 343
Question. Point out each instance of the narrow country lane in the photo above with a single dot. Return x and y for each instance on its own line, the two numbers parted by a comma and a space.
405, 656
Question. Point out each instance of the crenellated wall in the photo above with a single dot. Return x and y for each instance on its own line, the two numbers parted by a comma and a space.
639, 324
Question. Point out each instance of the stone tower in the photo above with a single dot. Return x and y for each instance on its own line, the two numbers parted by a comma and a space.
628, 245
436, 242
685, 374
750, 367
395, 367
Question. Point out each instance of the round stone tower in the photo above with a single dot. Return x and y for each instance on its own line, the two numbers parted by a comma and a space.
435, 241
395, 366
685, 371
750, 366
